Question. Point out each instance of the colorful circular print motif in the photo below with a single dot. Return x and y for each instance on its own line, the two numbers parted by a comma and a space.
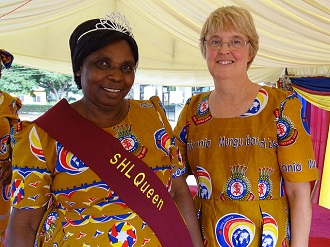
234, 230
122, 234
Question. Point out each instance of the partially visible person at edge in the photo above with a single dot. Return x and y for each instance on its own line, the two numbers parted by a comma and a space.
9, 107
248, 146
58, 200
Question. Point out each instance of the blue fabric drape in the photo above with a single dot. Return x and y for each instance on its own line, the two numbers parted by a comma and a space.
305, 113
315, 90
321, 84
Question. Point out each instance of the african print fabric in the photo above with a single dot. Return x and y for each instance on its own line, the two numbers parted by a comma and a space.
83, 210
9, 107
240, 165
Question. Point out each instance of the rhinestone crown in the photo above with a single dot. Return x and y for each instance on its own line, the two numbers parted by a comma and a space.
113, 21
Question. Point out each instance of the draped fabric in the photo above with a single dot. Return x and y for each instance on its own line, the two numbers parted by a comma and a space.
321, 101
315, 92
324, 198
319, 127
317, 85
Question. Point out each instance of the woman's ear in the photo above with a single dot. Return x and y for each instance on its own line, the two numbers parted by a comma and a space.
78, 73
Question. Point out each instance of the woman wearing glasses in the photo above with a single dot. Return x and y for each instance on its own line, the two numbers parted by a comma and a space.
248, 146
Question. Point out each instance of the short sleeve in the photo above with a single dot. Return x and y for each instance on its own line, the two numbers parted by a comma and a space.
295, 150
16, 104
174, 153
181, 134
9, 107
31, 179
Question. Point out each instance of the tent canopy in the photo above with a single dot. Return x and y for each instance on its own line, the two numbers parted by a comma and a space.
293, 33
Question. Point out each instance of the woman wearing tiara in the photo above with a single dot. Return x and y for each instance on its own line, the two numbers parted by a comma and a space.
103, 170
9, 107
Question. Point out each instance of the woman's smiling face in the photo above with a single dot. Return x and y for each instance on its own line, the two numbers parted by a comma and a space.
107, 75
224, 63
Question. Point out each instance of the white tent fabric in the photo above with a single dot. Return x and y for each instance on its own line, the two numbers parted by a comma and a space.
293, 34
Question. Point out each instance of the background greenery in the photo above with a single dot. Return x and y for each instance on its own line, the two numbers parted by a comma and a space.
34, 108
20, 80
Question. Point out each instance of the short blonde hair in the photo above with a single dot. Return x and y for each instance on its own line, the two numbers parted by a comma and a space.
231, 18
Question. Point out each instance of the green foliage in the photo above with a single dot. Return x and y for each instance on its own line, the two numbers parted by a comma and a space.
58, 84
34, 108
21, 80
14, 81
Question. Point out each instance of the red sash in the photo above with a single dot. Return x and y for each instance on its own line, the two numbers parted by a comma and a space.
133, 180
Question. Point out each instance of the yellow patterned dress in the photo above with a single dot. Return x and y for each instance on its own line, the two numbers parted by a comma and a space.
9, 107
83, 210
240, 165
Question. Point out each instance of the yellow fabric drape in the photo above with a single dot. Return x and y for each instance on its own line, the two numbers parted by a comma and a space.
321, 101
324, 199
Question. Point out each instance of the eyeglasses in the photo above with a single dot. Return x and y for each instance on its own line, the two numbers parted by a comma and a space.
215, 44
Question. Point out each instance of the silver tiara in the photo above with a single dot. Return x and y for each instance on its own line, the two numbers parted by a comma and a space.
113, 21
